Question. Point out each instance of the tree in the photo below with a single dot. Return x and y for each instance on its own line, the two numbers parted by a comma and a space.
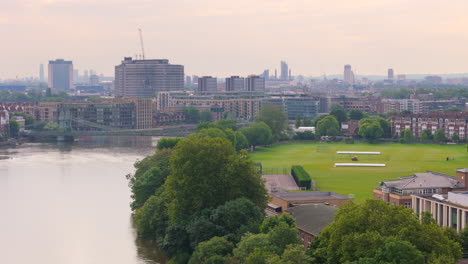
455, 137
356, 114
241, 141
307, 122
192, 115
439, 136
258, 133
51, 126
206, 172
14, 128
251, 242
377, 230
370, 129
426, 135
295, 254
338, 112
297, 123
328, 126
227, 123
167, 143
271, 222
275, 118
212, 249
385, 124
408, 136
205, 116
283, 235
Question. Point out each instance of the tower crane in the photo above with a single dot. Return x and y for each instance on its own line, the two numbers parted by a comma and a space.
141, 43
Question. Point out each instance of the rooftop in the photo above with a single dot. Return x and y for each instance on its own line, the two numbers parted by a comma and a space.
313, 218
424, 180
308, 196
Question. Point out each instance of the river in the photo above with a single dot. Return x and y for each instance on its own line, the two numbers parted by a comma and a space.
69, 203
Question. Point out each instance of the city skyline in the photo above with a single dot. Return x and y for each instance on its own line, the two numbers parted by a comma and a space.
314, 38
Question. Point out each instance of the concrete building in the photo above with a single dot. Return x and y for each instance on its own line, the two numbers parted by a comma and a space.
303, 106
399, 191
449, 122
390, 75
449, 209
41, 73
235, 83
290, 199
207, 84
399, 105
60, 75
311, 219
97, 116
284, 71
143, 78
255, 83
348, 75
364, 104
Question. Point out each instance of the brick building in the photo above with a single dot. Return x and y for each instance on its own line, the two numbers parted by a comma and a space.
399, 191
449, 122
290, 199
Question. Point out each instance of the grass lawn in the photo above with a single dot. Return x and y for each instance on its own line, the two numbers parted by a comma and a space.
401, 160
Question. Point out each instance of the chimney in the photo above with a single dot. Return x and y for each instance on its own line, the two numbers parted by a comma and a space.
462, 176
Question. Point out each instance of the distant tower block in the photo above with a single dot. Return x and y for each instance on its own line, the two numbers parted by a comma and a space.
290, 76
390, 74
276, 74
41, 73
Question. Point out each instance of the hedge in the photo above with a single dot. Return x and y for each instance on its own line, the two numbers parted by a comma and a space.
301, 177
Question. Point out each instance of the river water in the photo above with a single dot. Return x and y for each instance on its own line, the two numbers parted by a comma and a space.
69, 203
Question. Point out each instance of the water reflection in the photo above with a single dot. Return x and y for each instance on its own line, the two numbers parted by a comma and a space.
69, 202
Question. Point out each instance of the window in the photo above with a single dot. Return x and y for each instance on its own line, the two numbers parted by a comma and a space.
407, 205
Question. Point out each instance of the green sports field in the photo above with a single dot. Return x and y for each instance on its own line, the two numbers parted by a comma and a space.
401, 160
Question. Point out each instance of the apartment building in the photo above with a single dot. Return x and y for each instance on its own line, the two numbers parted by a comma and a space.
449, 122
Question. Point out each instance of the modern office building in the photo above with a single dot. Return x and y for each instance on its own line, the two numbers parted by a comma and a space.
60, 75
255, 83
348, 74
207, 84
235, 83
293, 106
41, 73
390, 75
143, 78
284, 71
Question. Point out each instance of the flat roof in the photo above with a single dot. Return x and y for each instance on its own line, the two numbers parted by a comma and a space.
310, 196
312, 218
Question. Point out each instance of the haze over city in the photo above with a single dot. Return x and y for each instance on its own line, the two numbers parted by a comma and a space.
221, 38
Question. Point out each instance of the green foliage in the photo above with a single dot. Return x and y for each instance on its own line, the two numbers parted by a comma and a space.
258, 133
356, 114
227, 123
251, 242
455, 137
281, 236
370, 129
28, 120
307, 122
426, 135
192, 115
464, 239
306, 135
297, 123
207, 172
384, 232
301, 176
328, 126
338, 112
408, 136
211, 250
232, 219
273, 221
295, 254
275, 118
168, 143
241, 141
14, 128
179, 258
439, 136
205, 116
151, 219
51, 126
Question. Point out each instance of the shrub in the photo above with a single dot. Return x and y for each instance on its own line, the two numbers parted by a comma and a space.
349, 140
301, 177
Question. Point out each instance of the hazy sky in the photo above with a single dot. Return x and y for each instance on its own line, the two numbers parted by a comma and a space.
238, 37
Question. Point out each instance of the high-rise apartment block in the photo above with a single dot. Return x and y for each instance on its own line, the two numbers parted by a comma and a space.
255, 83
390, 75
284, 71
207, 84
348, 74
41, 73
60, 75
235, 83
141, 78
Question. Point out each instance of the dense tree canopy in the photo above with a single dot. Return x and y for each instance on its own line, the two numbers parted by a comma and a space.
14, 128
338, 112
275, 118
370, 129
377, 232
439, 136
258, 133
207, 172
356, 114
328, 126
